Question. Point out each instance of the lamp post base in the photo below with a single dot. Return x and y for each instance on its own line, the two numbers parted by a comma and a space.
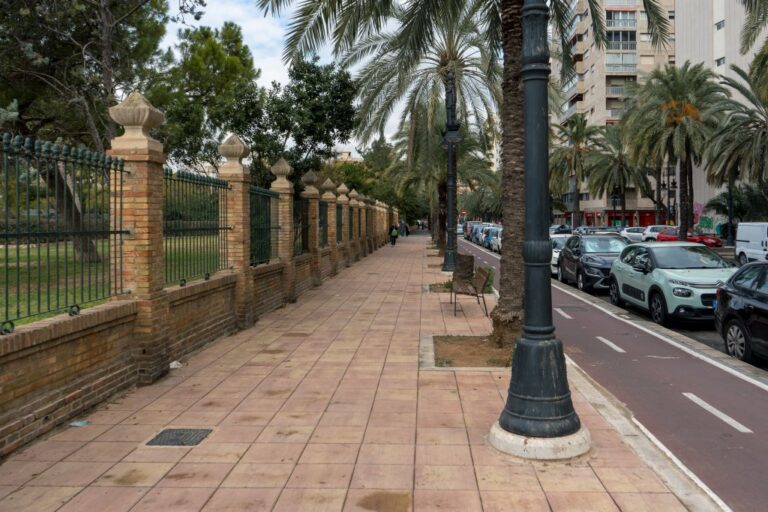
540, 448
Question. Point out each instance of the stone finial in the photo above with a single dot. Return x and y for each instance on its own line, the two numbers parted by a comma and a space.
137, 115
233, 149
281, 170
309, 179
342, 190
329, 186
353, 197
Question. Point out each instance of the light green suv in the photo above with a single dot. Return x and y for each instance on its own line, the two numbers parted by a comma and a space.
669, 279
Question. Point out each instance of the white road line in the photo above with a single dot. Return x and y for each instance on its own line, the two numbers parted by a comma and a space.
612, 345
563, 314
481, 249
670, 341
716, 412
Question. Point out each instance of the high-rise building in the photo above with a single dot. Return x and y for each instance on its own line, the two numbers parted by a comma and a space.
598, 87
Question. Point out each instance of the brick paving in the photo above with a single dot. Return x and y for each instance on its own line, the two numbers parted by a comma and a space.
322, 406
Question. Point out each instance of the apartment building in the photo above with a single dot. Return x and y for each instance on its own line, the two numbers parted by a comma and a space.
597, 90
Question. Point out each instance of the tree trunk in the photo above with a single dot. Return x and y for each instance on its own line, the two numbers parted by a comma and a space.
731, 180
107, 75
577, 204
623, 208
657, 177
684, 200
508, 315
689, 177
442, 214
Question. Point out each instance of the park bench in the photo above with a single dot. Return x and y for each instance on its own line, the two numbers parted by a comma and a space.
475, 287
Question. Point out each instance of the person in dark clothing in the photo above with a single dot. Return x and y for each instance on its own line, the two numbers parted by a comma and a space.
393, 234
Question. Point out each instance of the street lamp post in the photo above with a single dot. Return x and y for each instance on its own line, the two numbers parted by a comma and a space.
615, 200
538, 420
451, 138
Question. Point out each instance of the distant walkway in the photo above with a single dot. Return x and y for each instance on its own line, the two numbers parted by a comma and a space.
322, 406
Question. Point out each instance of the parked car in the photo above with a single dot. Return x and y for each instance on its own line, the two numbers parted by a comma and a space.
558, 241
587, 259
490, 233
751, 242
479, 237
671, 235
633, 234
473, 236
468, 227
651, 232
559, 229
496, 241
741, 312
673, 279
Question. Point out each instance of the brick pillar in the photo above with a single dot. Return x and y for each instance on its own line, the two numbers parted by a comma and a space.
239, 217
343, 200
363, 206
353, 209
142, 216
329, 196
311, 194
369, 231
284, 187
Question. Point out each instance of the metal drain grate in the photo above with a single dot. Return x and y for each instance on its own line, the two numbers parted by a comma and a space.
180, 437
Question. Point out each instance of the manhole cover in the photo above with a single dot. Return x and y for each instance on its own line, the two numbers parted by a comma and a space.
180, 437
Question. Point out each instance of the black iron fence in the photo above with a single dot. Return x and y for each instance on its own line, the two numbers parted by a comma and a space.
62, 232
323, 223
264, 226
359, 222
339, 223
194, 226
350, 212
300, 226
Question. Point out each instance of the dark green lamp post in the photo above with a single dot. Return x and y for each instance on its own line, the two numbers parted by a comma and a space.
450, 140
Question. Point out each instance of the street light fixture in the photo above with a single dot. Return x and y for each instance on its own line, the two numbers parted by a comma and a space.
538, 420
450, 140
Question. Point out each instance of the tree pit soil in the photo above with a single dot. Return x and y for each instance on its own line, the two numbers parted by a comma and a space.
470, 351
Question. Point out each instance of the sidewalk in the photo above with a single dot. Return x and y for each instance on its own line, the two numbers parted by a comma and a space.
322, 406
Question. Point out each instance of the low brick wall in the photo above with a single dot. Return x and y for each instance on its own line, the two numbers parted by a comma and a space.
200, 312
326, 266
268, 293
52, 370
303, 265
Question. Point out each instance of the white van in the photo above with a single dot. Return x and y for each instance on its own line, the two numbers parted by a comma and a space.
751, 242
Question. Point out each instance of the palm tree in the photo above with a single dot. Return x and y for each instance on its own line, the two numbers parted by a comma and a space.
668, 117
568, 159
610, 169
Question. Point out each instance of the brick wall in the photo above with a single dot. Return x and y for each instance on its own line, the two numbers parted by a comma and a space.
268, 288
303, 273
326, 266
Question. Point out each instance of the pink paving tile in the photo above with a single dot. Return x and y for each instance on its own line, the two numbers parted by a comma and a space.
134, 474
365, 500
114, 499
248, 418
5, 490
507, 478
344, 435
441, 436
386, 454
87, 433
344, 419
379, 476
445, 477
441, 501
321, 476
443, 455
273, 453
52, 451
393, 419
330, 453
200, 418
310, 500
37, 499
285, 435
108, 417
296, 419
196, 475
648, 502
157, 454
258, 475
173, 500
102, 452
130, 433
234, 434
431, 419
71, 474
504, 501
581, 502
150, 417
390, 435
217, 452
242, 500
630, 480
569, 479
19, 472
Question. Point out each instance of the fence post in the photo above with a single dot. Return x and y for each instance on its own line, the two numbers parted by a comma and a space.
354, 209
312, 195
329, 196
369, 223
345, 219
142, 216
284, 187
239, 234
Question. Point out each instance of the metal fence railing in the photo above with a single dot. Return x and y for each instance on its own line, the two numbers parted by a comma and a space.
350, 212
339, 223
322, 221
61, 234
264, 225
359, 223
300, 226
194, 226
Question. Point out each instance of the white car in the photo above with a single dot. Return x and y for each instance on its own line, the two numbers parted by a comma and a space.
558, 242
496, 242
651, 232
633, 234
751, 242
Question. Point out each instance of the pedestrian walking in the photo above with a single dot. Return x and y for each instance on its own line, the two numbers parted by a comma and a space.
407, 230
393, 234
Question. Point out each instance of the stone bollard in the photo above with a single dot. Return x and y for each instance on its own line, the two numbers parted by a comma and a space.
284, 187
343, 200
329, 196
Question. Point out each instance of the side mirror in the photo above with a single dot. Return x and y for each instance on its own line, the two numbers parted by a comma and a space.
643, 268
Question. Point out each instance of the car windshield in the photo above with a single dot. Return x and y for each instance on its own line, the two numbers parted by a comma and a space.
604, 244
558, 243
688, 257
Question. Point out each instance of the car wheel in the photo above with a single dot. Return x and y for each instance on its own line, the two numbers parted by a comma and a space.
737, 341
560, 275
613, 290
649, 239
658, 307
580, 283
743, 260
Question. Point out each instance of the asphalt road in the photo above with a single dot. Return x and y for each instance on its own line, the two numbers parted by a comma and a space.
707, 412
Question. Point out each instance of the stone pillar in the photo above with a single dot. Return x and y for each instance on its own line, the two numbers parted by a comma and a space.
343, 200
354, 243
369, 224
142, 216
329, 196
239, 234
284, 187
363, 206
311, 194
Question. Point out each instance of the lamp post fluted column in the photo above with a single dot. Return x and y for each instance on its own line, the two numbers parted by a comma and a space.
538, 420
451, 138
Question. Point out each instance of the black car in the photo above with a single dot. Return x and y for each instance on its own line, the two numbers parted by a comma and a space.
741, 312
587, 260
559, 229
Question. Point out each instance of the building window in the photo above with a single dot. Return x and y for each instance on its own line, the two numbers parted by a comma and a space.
720, 25
643, 17
646, 38
720, 61
671, 15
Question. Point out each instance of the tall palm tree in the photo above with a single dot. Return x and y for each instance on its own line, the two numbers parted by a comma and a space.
668, 116
568, 160
610, 169
344, 22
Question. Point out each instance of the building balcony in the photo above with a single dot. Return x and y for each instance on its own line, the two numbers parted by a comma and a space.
569, 111
620, 3
621, 45
615, 90
621, 68
615, 113
621, 23
574, 89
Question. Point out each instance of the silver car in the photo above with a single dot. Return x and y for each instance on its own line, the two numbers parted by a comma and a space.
633, 234
558, 241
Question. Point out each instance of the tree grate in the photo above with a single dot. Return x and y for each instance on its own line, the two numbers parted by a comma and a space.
180, 437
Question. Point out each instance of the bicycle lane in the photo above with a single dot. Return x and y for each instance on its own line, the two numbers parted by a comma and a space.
710, 419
